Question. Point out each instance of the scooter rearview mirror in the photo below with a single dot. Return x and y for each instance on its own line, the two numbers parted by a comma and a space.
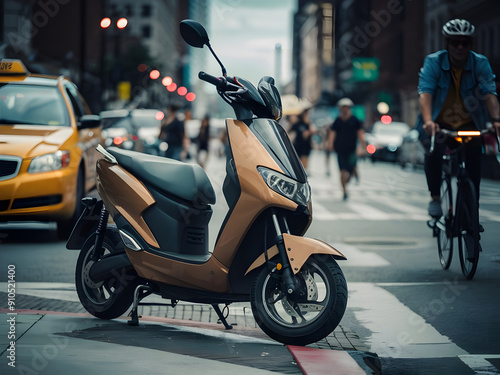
194, 33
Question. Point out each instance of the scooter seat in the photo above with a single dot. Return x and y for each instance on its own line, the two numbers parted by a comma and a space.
186, 181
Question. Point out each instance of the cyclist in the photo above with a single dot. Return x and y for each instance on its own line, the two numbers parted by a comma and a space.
456, 91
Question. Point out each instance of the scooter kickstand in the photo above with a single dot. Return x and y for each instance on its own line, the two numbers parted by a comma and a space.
141, 292
221, 316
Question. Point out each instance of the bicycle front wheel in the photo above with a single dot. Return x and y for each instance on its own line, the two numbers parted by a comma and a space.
468, 229
444, 225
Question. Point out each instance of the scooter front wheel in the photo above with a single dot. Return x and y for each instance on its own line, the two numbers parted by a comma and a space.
309, 314
107, 299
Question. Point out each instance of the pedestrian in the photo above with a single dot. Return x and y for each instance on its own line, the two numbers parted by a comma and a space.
172, 133
456, 92
345, 132
202, 141
301, 133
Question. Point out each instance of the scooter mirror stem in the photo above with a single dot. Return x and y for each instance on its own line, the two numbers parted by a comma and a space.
224, 73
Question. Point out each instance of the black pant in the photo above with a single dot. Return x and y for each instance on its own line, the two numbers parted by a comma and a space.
434, 162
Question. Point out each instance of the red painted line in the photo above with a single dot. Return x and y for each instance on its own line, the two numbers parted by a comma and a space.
323, 361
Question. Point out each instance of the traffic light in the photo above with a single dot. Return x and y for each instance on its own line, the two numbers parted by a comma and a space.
386, 119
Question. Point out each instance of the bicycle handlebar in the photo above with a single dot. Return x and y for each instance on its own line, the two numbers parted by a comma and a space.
463, 133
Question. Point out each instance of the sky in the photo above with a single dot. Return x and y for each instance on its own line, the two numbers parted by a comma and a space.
244, 33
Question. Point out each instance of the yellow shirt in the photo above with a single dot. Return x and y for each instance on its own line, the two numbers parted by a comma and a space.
454, 114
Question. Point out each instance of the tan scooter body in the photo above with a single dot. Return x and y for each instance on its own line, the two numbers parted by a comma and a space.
125, 195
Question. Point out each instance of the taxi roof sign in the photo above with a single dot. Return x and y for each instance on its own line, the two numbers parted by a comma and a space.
12, 70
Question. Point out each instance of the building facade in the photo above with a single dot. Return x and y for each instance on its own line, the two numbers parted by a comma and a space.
379, 48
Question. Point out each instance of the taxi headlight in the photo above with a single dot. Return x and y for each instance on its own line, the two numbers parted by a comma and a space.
49, 162
298, 192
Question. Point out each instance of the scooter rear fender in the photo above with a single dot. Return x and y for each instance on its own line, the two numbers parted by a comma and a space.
299, 249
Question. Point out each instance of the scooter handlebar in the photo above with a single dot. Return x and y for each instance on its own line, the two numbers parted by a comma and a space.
216, 81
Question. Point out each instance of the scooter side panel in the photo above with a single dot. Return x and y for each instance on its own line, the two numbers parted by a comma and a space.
255, 196
299, 249
123, 194
211, 276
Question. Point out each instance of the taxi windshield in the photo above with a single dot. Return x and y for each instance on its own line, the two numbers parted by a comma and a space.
31, 105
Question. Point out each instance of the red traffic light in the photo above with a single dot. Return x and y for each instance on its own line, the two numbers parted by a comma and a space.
386, 119
190, 96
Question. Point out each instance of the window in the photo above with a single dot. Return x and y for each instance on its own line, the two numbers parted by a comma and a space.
77, 104
32, 105
146, 31
146, 11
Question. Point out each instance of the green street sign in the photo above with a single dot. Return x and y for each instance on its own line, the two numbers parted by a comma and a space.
365, 69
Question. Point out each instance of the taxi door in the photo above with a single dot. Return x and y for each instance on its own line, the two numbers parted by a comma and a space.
88, 138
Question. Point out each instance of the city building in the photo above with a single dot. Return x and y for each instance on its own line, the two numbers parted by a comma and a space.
313, 46
379, 48
56, 37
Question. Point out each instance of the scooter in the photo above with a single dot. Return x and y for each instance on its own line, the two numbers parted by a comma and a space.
158, 240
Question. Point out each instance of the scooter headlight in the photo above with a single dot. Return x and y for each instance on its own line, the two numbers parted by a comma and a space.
296, 191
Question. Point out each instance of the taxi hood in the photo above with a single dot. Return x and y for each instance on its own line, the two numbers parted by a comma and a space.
32, 140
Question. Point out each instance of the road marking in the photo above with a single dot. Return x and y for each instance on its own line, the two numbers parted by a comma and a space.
480, 364
397, 331
363, 212
358, 258
403, 207
488, 215
368, 212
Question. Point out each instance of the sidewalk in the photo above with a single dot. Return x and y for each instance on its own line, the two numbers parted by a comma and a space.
59, 343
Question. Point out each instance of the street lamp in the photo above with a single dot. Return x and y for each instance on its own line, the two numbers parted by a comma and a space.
105, 23
154, 74
122, 23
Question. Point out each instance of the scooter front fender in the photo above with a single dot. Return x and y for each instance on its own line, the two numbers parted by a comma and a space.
299, 249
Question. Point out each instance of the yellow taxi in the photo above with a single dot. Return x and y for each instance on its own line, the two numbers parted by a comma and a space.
47, 147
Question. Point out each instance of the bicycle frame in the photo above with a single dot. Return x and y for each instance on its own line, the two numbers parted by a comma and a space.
465, 228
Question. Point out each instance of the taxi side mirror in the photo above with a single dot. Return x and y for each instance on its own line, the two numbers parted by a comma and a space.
89, 121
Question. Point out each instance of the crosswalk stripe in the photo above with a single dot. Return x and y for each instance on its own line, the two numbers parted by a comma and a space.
401, 207
480, 364
488, 215
363, 212
407, 336
368, 212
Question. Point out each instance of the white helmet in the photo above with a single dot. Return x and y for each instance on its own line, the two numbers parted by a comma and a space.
345, 102
458, 27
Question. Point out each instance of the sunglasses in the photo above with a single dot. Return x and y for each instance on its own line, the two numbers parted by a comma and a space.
457, 42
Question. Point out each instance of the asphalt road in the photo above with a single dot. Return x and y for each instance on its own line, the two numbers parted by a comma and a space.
418, 318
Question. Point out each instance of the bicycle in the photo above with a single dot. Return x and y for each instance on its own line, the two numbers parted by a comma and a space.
463, 222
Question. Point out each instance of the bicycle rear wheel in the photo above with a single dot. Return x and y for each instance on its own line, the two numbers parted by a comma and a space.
468, 229
444, 225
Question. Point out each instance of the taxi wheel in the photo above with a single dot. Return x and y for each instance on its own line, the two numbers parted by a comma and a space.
65, 227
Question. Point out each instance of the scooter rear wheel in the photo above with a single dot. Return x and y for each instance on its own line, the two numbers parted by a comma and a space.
311, 313
107, 299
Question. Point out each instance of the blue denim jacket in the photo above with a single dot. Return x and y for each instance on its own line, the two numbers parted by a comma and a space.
477, 81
